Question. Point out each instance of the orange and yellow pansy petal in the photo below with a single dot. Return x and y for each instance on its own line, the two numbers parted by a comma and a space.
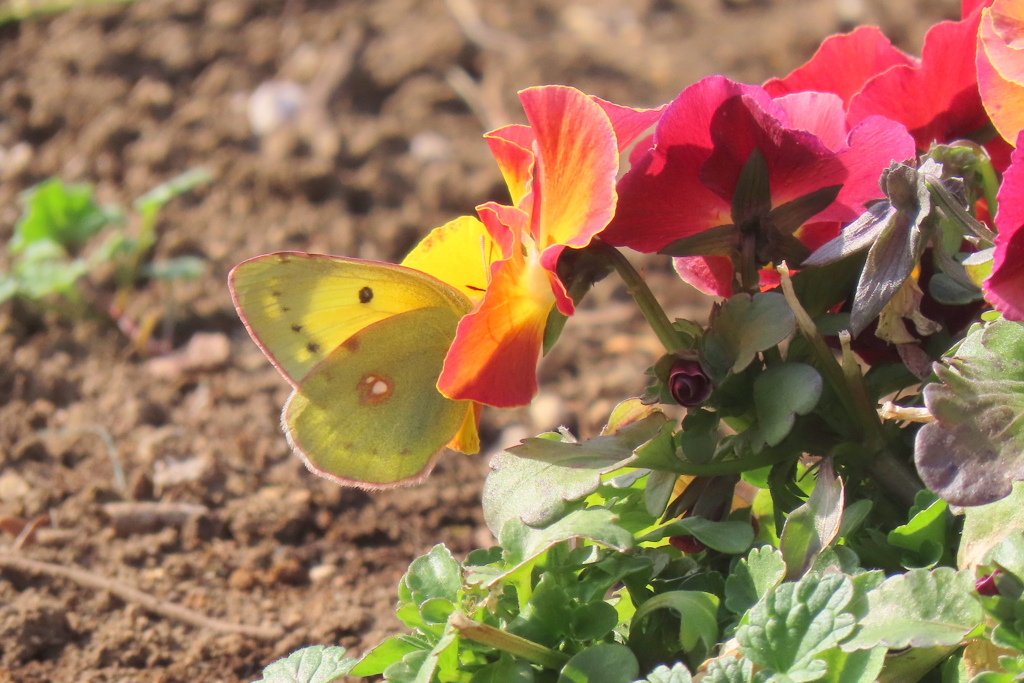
458, 253
512, 147
505, 225
627, 122
467, 439
1001, 67
493, 359
576, 166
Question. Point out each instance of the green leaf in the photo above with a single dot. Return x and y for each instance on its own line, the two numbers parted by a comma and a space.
741, 328
662, 674
861, 666
537, 480
974, 451
63, 213
730, 670
781, 393
434, 575
422, 666
505, 670
925, 534
699, 435
8, 287
987, 525
602, 663
921, 609
389, 652
522, 543
753, 577
658, 491
180, 268
795, 622
732, 538
547, 616
316, 664
812, 526
152, 201
698, 612
594, 620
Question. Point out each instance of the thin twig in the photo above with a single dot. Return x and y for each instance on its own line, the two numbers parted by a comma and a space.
133, 595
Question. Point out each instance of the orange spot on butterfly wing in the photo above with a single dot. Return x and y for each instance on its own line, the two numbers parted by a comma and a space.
374, 389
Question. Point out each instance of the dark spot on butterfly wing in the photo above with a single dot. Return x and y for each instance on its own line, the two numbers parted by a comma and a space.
296, 328
475, 289
352, 344
313, 347
365, 295
276, 294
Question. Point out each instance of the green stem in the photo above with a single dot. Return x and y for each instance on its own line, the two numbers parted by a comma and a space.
989, 185
641, 293
766, 457
507, 642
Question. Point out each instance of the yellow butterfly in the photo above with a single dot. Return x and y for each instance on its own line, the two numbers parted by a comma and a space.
363, 344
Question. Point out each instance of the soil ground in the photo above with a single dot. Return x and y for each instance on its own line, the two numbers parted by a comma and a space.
387, 146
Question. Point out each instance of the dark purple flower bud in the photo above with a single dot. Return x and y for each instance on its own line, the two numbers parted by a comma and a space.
688, 384
986, 585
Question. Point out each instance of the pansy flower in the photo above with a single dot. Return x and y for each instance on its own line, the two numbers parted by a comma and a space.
561, 171
731, 168
936, 97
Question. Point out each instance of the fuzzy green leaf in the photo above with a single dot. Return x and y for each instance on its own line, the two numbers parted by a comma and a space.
925, 534
602, 663
505, 670
523, 543
753, 577
63, 213
780, 394
974, 451
662, 674
861, 666
730, 670
743, 327
316, 664
987, 525
795, 621
384, 655
921, 609
434, 575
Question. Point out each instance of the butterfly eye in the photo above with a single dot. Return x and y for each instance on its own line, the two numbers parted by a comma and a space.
365, 295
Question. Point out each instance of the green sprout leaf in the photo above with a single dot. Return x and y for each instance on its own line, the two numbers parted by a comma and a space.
698, 612
316, 664
811, 527
974, 451
505, 670
384, 655
921, 609
434, 575
924, 536
602, 663
780, 394
753, 577
152, 201
522, 543
63, 213
795, 622
741, 328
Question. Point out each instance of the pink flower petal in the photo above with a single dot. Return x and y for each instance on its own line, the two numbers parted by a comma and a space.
819, 113
937, 101
711, 275
628, 123
512, 148
843, 64
1004, 288
1001, 66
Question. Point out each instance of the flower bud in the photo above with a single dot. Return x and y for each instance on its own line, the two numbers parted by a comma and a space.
986, 585
688, 545
688, 384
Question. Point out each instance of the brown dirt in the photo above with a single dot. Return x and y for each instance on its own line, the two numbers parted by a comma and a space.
128, 96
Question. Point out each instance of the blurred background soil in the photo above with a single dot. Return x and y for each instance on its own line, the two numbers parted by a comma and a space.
376, 140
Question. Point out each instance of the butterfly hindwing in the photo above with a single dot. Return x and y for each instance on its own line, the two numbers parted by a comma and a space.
301, 307
369, 414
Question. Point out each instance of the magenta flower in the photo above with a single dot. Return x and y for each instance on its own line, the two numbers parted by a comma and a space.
777, 175
1004, 288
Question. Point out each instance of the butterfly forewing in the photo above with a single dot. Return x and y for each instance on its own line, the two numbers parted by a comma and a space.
300, 307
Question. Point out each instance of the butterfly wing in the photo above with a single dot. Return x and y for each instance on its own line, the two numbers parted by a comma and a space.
369, 414
363, 344
300, 307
